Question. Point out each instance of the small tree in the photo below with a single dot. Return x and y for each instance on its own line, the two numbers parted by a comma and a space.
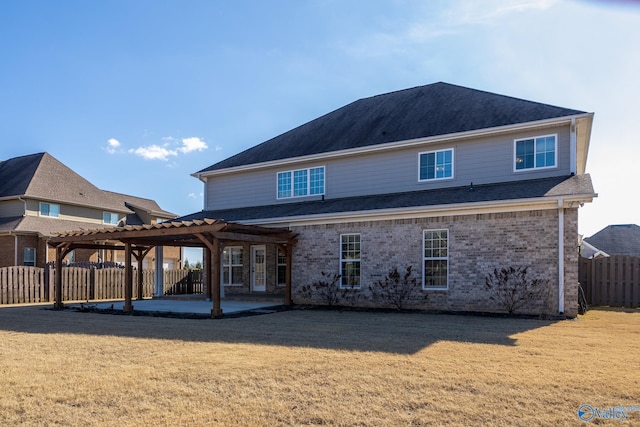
512, 289
327, 288
398, 290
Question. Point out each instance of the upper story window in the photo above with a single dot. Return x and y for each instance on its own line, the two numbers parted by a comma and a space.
49, 209
535, 153
301, 182
110, 218
436, 165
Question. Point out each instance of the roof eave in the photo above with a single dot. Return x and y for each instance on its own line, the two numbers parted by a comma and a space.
470, 208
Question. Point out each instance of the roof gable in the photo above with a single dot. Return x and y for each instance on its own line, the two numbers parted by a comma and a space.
16, 174
419, 112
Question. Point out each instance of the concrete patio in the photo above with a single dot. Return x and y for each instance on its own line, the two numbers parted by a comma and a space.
183, 306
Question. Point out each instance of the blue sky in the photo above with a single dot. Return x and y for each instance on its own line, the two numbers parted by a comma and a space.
136, 95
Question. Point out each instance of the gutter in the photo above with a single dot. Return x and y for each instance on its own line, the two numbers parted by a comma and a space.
472, 208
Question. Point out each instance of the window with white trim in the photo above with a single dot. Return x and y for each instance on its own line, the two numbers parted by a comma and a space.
301, 182
435, 266
436, 165
109, 218
29, 257
281, 268
232, 266
49, 209
350, 260
535, 153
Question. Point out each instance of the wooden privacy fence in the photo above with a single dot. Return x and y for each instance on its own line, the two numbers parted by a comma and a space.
611, 281
20, 285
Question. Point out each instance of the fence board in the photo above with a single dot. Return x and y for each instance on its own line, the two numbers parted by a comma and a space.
611, 281
21, 284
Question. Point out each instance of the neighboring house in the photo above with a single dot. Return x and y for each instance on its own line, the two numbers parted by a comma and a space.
622, 239
452, 181
40, 196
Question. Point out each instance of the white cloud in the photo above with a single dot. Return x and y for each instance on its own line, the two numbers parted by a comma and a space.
113, 146
192, 144
154, 152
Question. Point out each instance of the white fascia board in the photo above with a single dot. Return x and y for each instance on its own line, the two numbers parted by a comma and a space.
395, 145
475, 208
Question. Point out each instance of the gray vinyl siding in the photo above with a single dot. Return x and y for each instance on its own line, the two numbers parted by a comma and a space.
481, 161
11, 208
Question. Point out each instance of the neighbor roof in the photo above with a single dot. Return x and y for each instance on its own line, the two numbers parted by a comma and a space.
555, 187
419, 112
42, 176
621, 239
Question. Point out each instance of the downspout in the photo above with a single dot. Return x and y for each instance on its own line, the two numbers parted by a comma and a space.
573, 148
560, 256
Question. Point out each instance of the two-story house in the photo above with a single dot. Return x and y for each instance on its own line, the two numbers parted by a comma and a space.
40, 197
451, 181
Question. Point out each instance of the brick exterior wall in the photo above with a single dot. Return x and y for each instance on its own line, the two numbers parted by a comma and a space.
477, 245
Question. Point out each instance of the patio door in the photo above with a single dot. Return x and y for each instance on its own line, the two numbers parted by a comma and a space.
258, 269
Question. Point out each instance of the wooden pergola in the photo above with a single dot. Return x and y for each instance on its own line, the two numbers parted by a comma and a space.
138, 240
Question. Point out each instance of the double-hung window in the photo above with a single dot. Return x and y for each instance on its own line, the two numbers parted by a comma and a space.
535, 153
435, 272
109, 218
29, 257
50, 209
350, 261
232, 265
436, 165
301, 182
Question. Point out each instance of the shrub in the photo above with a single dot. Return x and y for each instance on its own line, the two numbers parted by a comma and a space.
397, 290
512, 289
328, 291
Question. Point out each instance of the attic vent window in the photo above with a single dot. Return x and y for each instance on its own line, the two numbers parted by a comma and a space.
301, 182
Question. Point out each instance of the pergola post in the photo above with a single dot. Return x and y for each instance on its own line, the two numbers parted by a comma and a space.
128, 279
140, 259
206, 268
287, 276
214, 272
58, 304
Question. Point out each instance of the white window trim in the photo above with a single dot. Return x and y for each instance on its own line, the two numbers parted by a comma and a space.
292, 172
230, 265
50, 204
431, 288
536, 168
453, 171
342, 259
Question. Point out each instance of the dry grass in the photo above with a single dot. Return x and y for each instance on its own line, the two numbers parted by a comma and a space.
313, 367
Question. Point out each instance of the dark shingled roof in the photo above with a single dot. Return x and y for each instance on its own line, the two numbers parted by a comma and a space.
623, 239
579, 185
423, 111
